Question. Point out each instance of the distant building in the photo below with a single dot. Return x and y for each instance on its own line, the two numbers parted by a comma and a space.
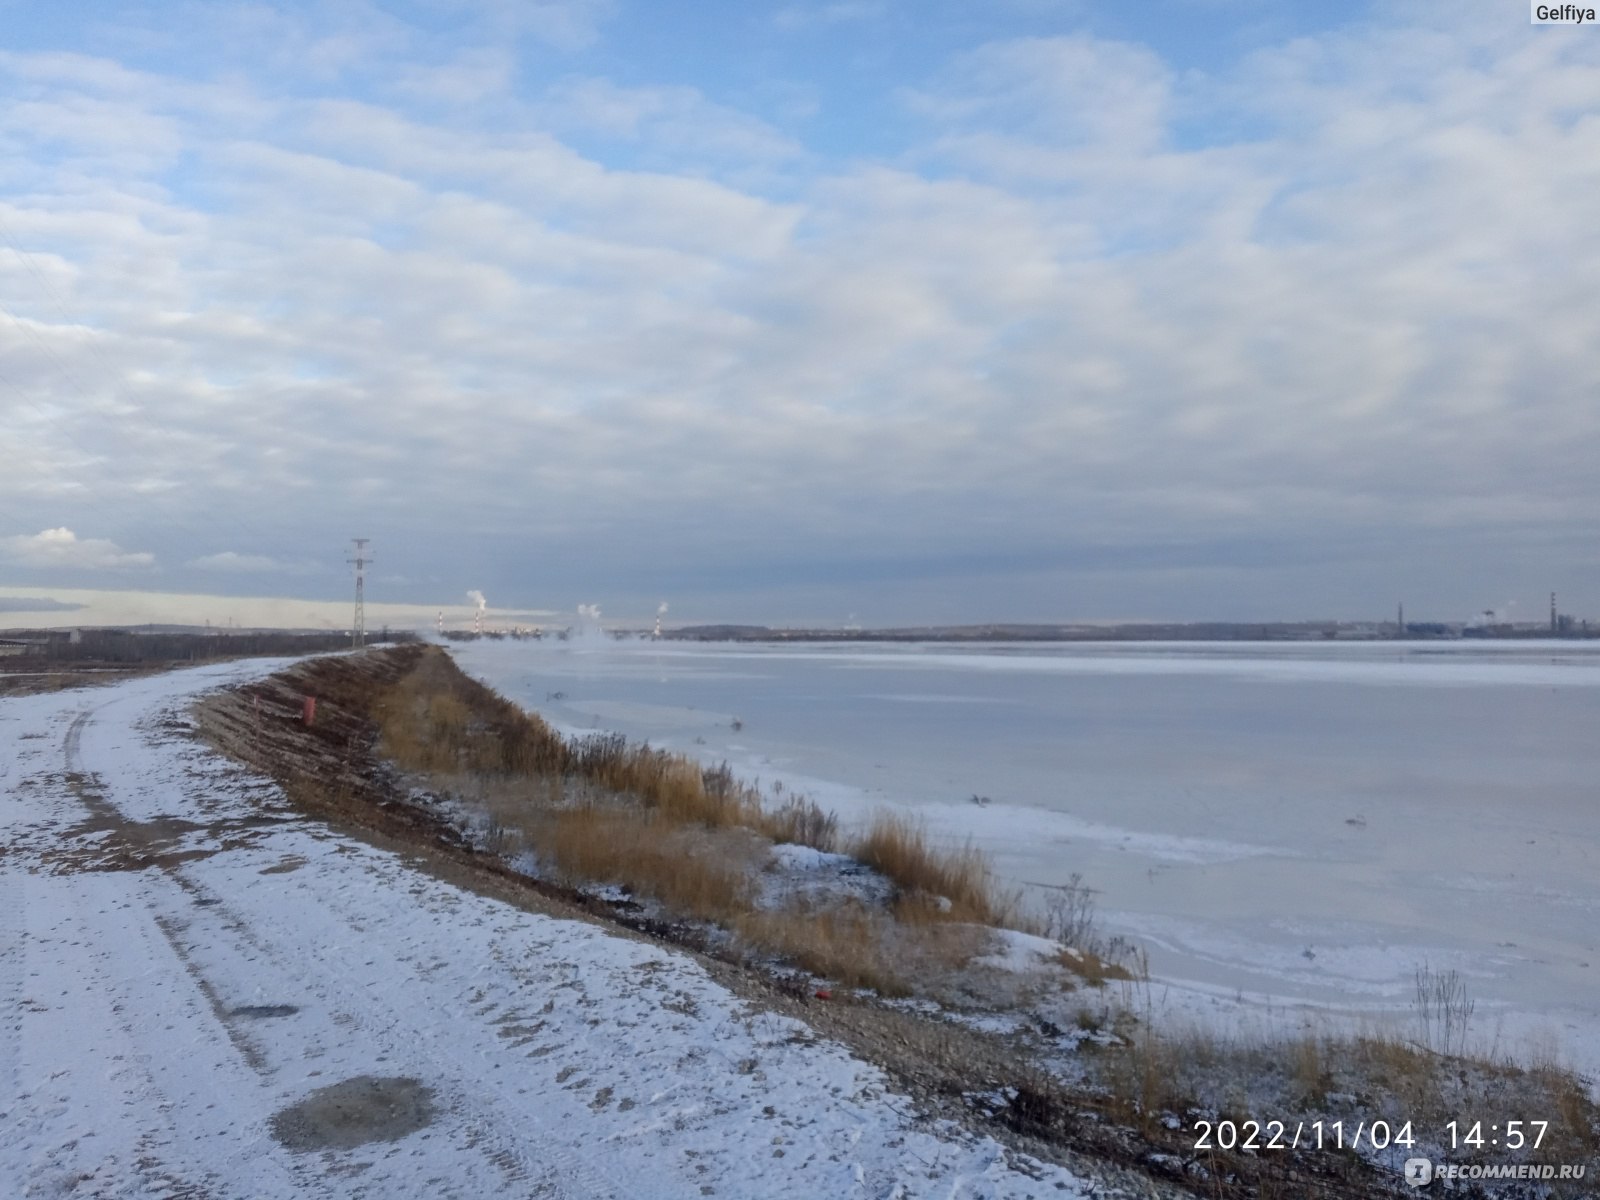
15, 648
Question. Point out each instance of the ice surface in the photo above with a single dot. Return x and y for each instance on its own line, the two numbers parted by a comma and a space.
1298, 824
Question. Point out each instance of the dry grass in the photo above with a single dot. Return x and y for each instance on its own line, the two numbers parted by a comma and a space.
441, 723
708, 877
1095, 970
1308, 1069
801, 821
1402, 1069
1143, 1080
860, 948
958, 884
846, 945
1574, 1117
438, 721
1156, 1071
599, 810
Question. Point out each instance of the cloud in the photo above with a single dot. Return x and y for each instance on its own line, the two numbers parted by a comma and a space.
1075, 91
62, 548
40, 604
677, 124
565, 24
497, 307
470, 76
807, 16
230, 560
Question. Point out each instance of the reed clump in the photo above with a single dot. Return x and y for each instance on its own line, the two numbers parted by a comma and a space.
957, 884
706, 878
437, 720
803, 822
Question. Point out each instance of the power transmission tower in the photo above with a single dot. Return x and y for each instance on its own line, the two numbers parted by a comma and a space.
358, 631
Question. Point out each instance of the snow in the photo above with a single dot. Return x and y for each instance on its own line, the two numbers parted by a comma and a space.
1023, 952
802, 875
1290, 830
161, 1017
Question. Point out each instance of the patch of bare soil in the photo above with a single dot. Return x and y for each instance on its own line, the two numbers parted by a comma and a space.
355, 1112
330, 769
107, 840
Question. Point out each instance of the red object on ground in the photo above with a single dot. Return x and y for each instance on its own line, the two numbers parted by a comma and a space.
824, 994
310, 714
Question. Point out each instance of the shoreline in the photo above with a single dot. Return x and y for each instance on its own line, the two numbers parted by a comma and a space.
1359, 967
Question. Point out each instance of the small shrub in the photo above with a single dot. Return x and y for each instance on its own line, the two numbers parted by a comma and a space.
1443, 1008
1069, 914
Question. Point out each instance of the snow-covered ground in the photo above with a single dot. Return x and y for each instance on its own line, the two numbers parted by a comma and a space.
1290, 829
206, 995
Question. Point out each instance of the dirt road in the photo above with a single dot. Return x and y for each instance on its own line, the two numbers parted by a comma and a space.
208, 995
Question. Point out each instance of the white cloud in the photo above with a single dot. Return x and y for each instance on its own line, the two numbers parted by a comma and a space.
230, 560
470, 76
62, 548
566, 24
674, 121
1066, 91
807, 16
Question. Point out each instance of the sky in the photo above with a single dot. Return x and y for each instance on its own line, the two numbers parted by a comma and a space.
867, 311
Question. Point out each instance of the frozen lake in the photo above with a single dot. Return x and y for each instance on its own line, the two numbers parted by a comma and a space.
1286, 824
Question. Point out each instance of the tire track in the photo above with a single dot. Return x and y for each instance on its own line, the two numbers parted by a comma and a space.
537, 1165
536, 1159
154, 1146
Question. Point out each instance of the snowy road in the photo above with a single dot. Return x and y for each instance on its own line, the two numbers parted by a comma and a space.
209, 996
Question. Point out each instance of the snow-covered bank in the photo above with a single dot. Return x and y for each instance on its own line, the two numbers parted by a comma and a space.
1291, 830
189, 963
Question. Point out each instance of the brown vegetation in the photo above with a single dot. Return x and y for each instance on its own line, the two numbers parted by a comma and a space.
690, 874
599, 810
956, 883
